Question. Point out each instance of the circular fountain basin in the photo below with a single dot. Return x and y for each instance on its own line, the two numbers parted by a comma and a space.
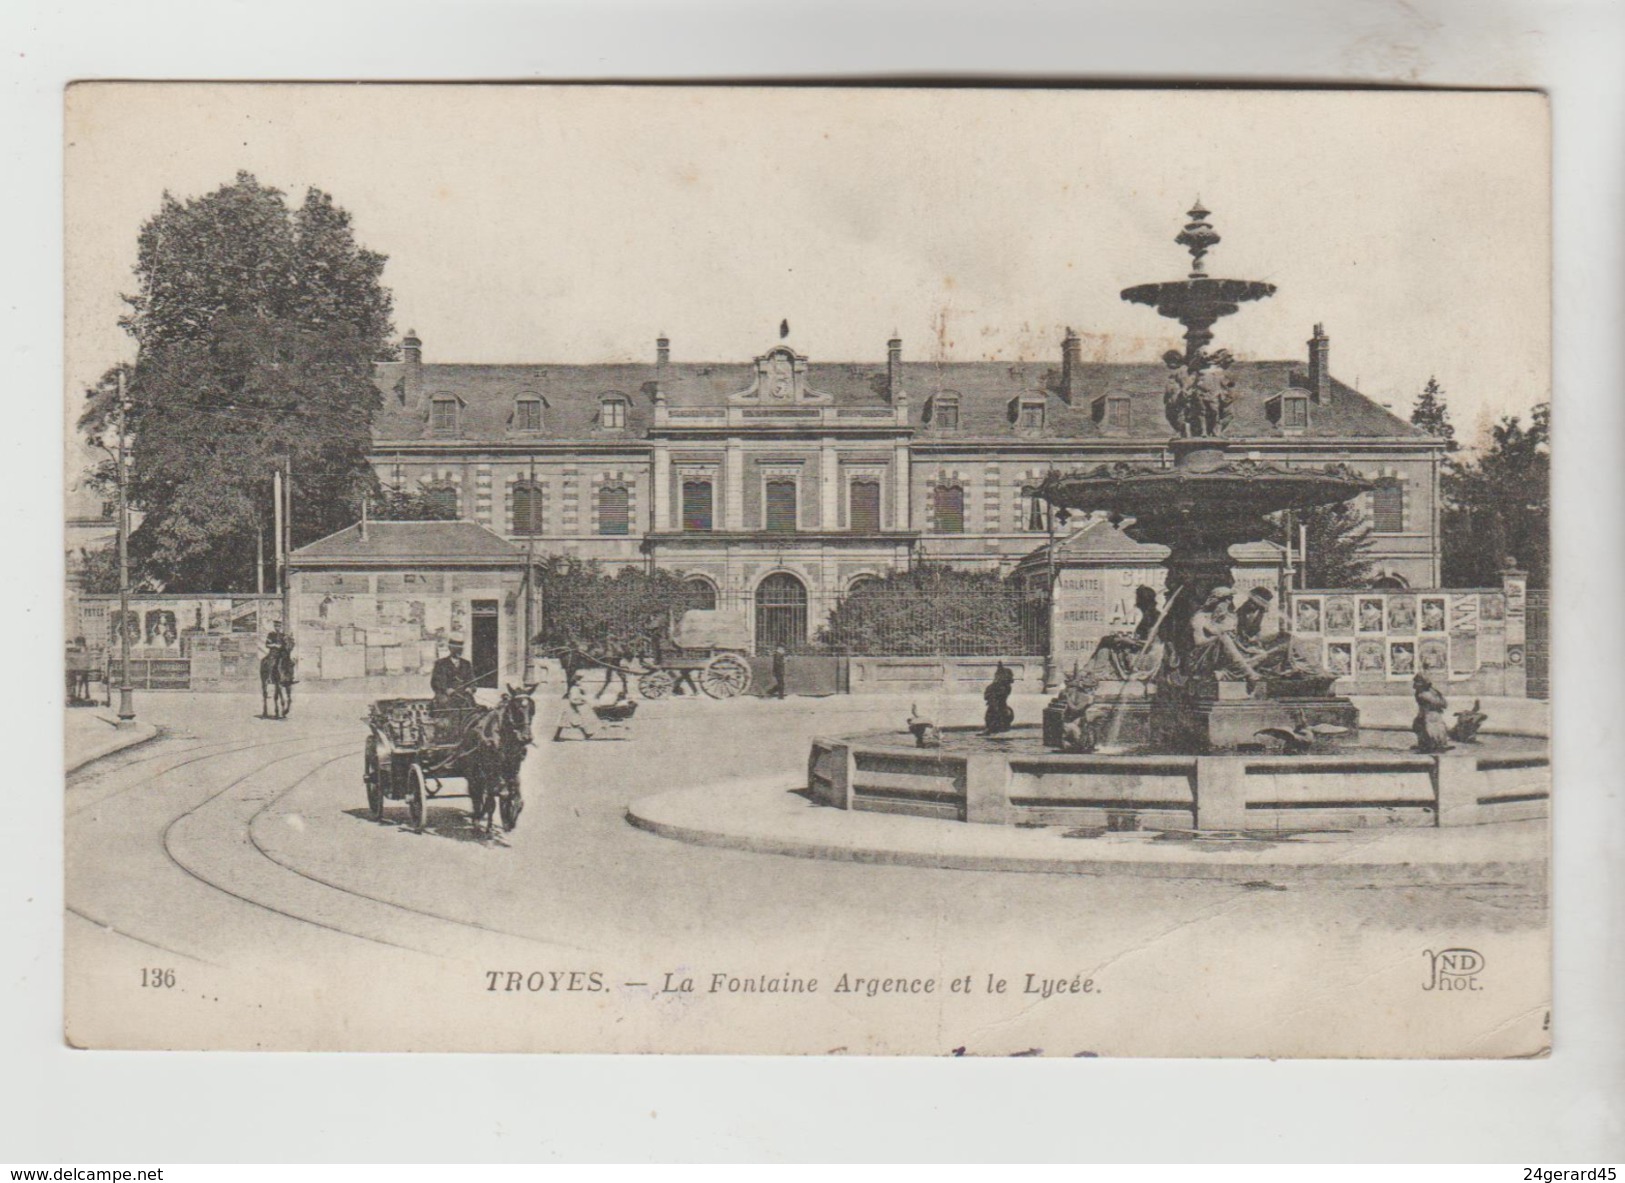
1013, 779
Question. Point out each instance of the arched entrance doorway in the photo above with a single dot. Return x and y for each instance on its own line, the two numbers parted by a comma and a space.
781, 613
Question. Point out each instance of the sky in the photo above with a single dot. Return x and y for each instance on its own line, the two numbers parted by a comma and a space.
575, 224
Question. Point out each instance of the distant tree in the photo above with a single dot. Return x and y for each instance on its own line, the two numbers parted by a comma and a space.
1498, 507
1339, 548
1339, 545
1432, 415
398, 505
256, 329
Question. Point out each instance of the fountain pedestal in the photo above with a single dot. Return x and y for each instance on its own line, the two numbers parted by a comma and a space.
1224, 725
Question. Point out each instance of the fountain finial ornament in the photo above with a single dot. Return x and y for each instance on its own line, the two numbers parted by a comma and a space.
1196, 401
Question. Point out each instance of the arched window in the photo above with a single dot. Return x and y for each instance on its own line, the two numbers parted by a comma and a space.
529, 510
781, 613
527, 414
948, 509
614, 515
700, 592
863, 507
443, 496
861, 581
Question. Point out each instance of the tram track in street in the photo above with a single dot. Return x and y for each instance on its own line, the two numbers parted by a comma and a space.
328, 883
224, 886
166, 842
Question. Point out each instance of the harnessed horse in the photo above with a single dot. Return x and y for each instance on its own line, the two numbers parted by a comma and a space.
492, 752
276, 683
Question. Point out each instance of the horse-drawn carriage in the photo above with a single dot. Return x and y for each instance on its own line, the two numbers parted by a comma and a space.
706, 651
415, 746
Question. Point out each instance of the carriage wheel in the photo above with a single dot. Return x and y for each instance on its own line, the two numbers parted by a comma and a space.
725, 676
512, 803
417, 798
373, 775
656, 683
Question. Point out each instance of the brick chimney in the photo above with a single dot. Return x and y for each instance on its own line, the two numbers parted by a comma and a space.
894, 369
662, 360
1320, 374
412, 357
1071, 363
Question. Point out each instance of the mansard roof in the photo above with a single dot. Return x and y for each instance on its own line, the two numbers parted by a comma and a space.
986, 393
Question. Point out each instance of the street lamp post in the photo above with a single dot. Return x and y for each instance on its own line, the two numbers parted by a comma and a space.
1051, 680
126, 696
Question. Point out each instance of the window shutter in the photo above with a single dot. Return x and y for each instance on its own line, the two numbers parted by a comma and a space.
948, 505
781, 507
613, 515
528, 515
696, 505
1388, 508
864, 507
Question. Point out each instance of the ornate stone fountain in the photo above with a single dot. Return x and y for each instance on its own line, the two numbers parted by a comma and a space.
1205, 495
1192, 756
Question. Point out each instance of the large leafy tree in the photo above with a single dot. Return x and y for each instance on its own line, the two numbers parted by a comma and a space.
256, 327
1498, 507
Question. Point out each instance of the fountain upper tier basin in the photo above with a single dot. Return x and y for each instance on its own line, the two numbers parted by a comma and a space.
1210, 484
1198, 299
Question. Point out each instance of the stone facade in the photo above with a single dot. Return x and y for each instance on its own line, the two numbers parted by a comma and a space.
833, 472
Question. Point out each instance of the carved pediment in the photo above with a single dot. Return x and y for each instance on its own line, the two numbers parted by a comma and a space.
781, 381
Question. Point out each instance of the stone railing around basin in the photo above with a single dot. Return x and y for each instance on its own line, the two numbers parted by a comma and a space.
1251, 792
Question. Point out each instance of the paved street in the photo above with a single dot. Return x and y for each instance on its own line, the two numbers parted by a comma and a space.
238, 848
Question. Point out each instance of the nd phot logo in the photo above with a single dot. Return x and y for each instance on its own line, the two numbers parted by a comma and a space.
1453, 969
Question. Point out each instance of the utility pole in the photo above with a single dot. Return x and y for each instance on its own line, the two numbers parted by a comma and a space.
1290, 570
285, 540
126, 697
1050, 680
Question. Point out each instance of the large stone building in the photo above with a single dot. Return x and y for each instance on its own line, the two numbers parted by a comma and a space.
779, 482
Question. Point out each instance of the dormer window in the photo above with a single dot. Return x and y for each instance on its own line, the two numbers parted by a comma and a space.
1114, 413
527, 414
944, 412
1028, 412
612, 414
443, 415
1289, 411
1295, 413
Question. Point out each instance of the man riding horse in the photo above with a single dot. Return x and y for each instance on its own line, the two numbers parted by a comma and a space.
276, 672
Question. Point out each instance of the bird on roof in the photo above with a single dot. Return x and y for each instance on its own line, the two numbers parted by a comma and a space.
784, 329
